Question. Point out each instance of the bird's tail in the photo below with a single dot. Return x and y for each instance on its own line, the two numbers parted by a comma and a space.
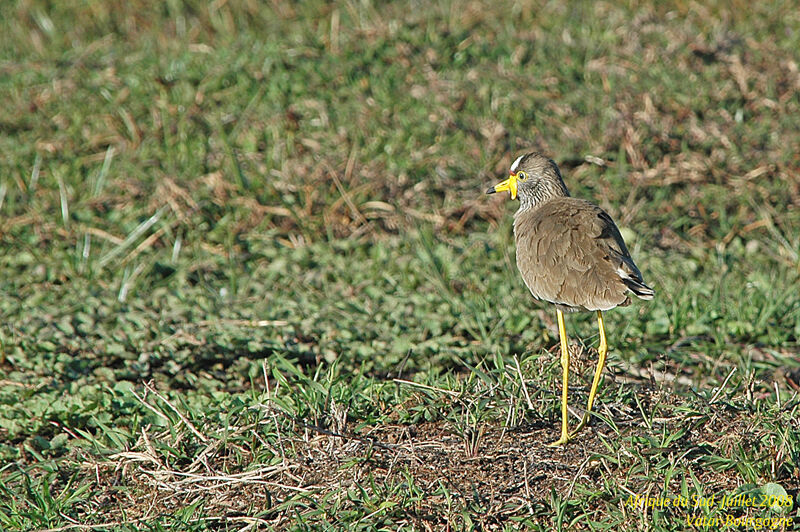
638, 287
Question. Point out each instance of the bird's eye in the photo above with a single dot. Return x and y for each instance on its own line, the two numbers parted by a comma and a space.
522, 176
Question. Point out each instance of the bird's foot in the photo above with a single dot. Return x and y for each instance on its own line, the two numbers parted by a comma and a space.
565, 438
581, 425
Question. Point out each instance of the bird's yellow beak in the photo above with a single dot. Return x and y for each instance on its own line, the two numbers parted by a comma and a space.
509, 184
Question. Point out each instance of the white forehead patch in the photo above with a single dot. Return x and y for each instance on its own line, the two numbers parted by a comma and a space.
515, 164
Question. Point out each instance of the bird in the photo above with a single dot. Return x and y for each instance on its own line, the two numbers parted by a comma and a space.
570, 253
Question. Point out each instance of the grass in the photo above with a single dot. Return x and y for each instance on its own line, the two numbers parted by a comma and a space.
251, 280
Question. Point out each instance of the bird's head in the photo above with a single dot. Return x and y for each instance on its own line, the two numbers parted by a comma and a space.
533, 177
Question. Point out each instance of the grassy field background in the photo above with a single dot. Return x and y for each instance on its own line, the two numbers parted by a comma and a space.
250, 279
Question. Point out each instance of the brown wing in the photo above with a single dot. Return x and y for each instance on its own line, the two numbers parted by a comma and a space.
571, 253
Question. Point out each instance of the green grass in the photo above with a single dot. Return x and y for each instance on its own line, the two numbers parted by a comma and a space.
251, 281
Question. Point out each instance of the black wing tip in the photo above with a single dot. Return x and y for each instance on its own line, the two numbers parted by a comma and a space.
641, 290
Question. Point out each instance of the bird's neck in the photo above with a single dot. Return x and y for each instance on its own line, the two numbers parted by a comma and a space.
544, 191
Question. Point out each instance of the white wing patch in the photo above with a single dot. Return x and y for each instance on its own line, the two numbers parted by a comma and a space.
515, 164
623, 274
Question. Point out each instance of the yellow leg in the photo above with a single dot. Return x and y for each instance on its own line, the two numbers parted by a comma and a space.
602, 349
562, 334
